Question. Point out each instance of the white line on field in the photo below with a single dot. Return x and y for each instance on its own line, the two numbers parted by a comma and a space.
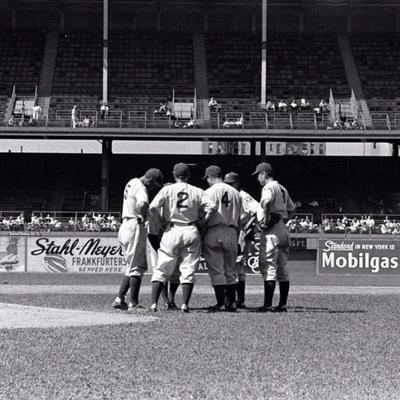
113, 289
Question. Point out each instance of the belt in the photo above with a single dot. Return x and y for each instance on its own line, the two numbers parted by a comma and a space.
180, 223
138, 219
222, 225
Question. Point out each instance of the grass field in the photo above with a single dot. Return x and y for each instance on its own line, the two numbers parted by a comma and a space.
328, 346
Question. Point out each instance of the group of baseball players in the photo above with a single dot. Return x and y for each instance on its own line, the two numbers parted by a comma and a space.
183, 222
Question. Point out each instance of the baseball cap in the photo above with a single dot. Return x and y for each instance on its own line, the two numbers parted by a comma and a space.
231, 177
155, 175
263, 167
212, 170
181, 170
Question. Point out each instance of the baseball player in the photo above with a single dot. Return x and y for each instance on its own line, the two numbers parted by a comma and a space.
156, 227
184, 207
277, 207
250, 208
133, 235
221, 239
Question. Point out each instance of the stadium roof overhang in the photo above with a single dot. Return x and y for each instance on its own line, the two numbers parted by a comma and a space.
204, 4
243, 135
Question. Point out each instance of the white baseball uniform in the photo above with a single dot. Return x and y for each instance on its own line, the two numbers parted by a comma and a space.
182, 205
132, 232
274, 242
221, 239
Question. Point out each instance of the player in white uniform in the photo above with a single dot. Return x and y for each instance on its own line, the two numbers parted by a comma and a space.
156, 228
221, 239
250, 207
274, 237
184, 207
133, 235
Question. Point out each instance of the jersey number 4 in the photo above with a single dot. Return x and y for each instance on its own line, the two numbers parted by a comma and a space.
182, 200
225, 200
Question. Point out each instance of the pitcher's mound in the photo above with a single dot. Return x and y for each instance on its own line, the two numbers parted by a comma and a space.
14, 316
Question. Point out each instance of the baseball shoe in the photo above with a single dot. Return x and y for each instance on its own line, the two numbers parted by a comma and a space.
241, 306
264, 309
280, 309
170, 306
153, 308
184, 308
217, 308
135, 308
119, 305
231, 307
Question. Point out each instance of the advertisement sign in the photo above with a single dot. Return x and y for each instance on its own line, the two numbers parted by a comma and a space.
75, 254
358, 257
12, 253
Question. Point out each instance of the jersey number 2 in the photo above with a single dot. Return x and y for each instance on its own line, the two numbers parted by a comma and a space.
182, 196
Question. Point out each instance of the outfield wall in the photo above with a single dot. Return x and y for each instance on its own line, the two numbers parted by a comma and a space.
86, 252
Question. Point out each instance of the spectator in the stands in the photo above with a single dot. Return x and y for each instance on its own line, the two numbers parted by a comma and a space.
304, 105
213, 105
323, 105
86, 123
172, 118
317, 110
74, 117
11, 120
36, 110
162, 109
282, 106
270, 106
189, 124
85, 219
293, 105
104, 110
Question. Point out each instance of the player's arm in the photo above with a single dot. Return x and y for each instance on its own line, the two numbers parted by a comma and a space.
208, 207
291, 207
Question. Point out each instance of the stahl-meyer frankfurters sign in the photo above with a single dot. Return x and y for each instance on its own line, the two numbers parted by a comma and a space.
358, 257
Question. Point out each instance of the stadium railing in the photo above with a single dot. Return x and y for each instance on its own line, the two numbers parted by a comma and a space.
79, 221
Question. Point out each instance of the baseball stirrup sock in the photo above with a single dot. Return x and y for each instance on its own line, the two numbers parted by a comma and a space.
220, 294
269, 289
156, 288
231, 294
187, 289
135, 283
283, 293
240, 290
173, 287
164, 293
123, 289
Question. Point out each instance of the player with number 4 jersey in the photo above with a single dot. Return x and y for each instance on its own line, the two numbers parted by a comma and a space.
184, 207
221, 239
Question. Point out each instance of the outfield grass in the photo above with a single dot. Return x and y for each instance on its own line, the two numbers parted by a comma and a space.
326, 347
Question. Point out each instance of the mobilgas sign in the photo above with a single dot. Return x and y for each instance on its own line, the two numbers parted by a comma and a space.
358, 257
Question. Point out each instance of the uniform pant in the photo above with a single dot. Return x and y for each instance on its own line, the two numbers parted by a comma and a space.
274, 253
220, 253
133, 237
180, 245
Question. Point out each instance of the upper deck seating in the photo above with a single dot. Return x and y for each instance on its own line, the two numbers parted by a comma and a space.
150, 64
21, 60
377, 58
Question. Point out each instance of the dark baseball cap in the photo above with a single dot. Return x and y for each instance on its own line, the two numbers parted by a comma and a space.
155, 175
263, 167
212, 170
231, 177
181, 170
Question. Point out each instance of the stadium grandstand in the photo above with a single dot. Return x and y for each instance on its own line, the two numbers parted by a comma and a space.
312, 85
